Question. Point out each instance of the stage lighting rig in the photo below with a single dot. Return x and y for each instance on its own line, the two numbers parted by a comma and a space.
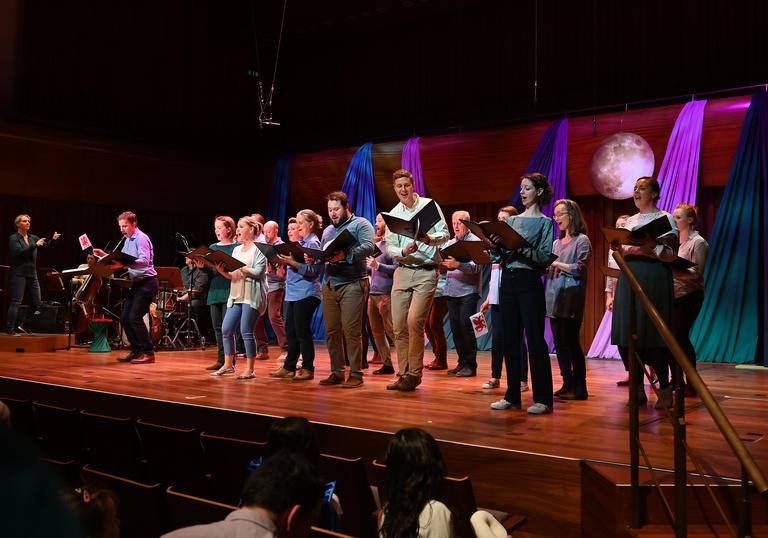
265, 105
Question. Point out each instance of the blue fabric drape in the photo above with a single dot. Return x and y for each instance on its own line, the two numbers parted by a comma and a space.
358, 184
278, 196
359, 187
727, 327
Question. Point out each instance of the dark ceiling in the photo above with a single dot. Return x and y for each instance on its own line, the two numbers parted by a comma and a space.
175, 73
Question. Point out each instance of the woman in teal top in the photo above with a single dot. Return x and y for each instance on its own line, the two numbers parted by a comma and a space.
521, 297
218, 290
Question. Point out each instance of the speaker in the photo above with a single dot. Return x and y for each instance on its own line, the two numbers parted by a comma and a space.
49, 320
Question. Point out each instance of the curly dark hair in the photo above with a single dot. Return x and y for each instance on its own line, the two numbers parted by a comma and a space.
415, 470
540, 182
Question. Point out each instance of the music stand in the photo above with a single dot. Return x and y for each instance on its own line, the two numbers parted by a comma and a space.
170, 281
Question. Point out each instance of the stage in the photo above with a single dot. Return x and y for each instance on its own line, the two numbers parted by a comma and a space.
529, 462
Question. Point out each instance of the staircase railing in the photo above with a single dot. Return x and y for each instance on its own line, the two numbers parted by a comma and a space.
750, 472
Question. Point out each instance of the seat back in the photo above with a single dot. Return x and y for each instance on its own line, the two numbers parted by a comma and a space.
60, 432
227, 459
22, 417
174, 456
113, 445
68, 472
187, 510
141, 507
357, 503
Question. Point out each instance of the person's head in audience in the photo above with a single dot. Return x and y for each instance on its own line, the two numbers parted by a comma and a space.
288, 490
415, 470
96, 509
5, 416
294, 434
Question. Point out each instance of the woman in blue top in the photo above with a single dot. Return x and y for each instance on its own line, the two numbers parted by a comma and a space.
521, 296
566, 295
302, 297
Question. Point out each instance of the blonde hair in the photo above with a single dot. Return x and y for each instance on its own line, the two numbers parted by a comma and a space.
691, 211
17, 220
253, 223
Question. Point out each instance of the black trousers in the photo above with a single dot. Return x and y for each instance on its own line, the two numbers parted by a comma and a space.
18, 284
521, 302
459, 310
135, 307
298, 331
570, 356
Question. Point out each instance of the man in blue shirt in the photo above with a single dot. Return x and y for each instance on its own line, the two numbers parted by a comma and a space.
144, 286
462, 290
345, 291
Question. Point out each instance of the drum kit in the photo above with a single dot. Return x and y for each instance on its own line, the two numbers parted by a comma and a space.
170, 319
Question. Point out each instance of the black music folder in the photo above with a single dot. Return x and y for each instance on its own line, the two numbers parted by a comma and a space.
288, 248
510, 239
212, 258
466, 251
342, 242
419, 223
654, 229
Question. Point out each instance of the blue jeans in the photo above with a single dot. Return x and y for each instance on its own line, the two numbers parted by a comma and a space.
17, 285
242, 316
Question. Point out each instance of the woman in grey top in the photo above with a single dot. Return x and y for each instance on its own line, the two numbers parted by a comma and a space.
689, 283
566, 295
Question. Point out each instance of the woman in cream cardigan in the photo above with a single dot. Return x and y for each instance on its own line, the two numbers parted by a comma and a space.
247, 297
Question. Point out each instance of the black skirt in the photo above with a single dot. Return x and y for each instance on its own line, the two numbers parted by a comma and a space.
656, 280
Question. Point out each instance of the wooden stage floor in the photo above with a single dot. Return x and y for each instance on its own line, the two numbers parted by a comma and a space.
454, 410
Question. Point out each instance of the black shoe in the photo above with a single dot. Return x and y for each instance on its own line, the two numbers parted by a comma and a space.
466, 372
452, 371
564, 389
215, 366
384, 370
134, 354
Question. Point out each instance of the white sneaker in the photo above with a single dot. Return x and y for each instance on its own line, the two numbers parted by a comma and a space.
504, 404
491, 384
523, 386
539, 409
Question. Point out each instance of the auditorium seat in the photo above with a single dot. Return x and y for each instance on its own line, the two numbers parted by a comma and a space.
174, 457
68, 472
22, 417
458, 495
357, 503
227, 459
60, 432
187, 510
141, 507
317, 532
113, 445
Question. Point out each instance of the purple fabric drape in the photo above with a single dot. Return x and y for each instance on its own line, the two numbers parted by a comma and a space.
411, 160
679, 177
679, 173
549, 159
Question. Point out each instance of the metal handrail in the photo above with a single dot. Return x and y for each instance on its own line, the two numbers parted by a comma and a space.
724, 425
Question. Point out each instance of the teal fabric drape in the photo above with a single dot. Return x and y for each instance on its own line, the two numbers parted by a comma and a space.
727, 327
278, 196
